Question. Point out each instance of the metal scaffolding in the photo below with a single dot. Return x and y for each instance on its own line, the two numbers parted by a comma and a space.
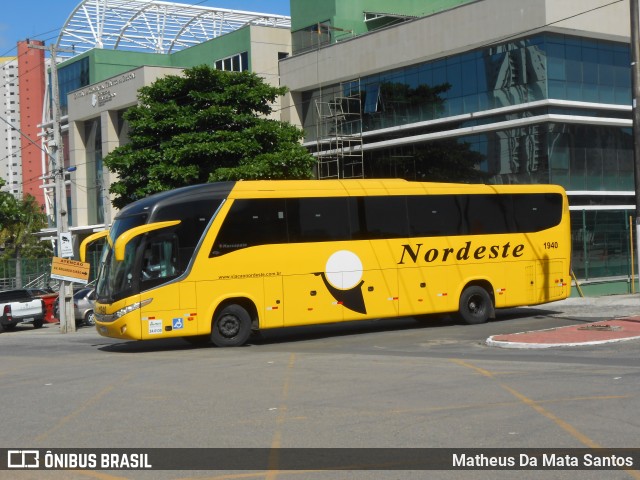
339, 136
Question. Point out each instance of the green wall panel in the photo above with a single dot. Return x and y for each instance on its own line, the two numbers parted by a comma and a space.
305, 12
109, 63
208, 52
349, 14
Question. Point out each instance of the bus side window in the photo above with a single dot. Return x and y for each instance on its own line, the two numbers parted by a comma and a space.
378, 217
318, 219
251, 223
488, 214
535, 212
435, 215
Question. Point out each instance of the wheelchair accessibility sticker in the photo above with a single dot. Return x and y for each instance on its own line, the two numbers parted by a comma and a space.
178, 324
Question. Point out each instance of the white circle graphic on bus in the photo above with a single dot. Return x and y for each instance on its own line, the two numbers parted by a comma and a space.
344, 269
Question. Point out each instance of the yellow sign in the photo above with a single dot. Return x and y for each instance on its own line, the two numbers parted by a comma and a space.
69, 270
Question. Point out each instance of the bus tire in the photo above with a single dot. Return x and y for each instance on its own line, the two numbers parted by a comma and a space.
231, 327
475, 305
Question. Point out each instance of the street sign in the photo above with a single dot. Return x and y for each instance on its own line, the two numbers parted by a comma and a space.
69, 270
66, 245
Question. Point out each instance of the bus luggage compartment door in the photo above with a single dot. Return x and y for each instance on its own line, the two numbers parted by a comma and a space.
273, 315
549, 281
309, 302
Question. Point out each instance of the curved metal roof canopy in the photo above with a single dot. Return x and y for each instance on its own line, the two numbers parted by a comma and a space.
153, 26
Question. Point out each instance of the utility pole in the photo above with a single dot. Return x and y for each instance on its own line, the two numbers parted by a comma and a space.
65, 294
635, 77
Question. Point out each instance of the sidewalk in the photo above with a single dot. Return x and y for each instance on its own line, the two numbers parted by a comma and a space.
622, 326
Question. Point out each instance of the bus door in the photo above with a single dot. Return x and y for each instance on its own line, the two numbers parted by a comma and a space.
171, 311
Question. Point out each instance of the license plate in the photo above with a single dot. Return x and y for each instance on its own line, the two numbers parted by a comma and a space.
27, 320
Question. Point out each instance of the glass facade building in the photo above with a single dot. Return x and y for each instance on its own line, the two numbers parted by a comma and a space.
548, 108
523, 71
72, 77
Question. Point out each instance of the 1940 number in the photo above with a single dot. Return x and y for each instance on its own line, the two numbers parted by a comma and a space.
550, 245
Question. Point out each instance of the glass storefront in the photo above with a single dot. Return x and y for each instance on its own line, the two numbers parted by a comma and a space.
601, 243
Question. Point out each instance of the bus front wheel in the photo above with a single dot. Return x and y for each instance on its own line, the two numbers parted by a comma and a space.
475, 305
231, 327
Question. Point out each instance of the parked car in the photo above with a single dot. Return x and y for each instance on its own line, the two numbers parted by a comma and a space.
83, 303
21, 305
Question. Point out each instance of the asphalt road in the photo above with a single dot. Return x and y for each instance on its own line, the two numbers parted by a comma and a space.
383, 384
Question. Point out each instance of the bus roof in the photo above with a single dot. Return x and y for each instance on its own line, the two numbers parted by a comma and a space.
320, 188
207, 191
360, 187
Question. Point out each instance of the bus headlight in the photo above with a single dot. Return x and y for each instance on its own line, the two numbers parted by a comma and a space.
133, 307
123, 311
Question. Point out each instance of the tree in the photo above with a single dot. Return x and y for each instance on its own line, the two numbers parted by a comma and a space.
205, 125
20, 220
8, 210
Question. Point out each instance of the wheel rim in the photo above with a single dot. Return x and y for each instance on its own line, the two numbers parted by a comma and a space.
476, 305
229, 326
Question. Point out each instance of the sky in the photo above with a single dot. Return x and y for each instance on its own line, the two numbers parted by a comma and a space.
42, 19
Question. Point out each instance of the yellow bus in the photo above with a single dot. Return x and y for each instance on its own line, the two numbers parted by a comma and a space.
215, 262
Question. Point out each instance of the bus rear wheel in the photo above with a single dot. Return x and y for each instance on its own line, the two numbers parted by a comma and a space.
475, 306
231, 327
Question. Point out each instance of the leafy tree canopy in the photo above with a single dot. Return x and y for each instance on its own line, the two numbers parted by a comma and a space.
19, 220
205, 125
8, 208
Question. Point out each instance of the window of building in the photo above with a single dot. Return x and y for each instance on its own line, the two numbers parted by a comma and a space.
234, 63
72, 77
521, 71
600, 243
311, 37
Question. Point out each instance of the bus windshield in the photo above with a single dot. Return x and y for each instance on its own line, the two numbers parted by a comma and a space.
115, 279
160, 253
